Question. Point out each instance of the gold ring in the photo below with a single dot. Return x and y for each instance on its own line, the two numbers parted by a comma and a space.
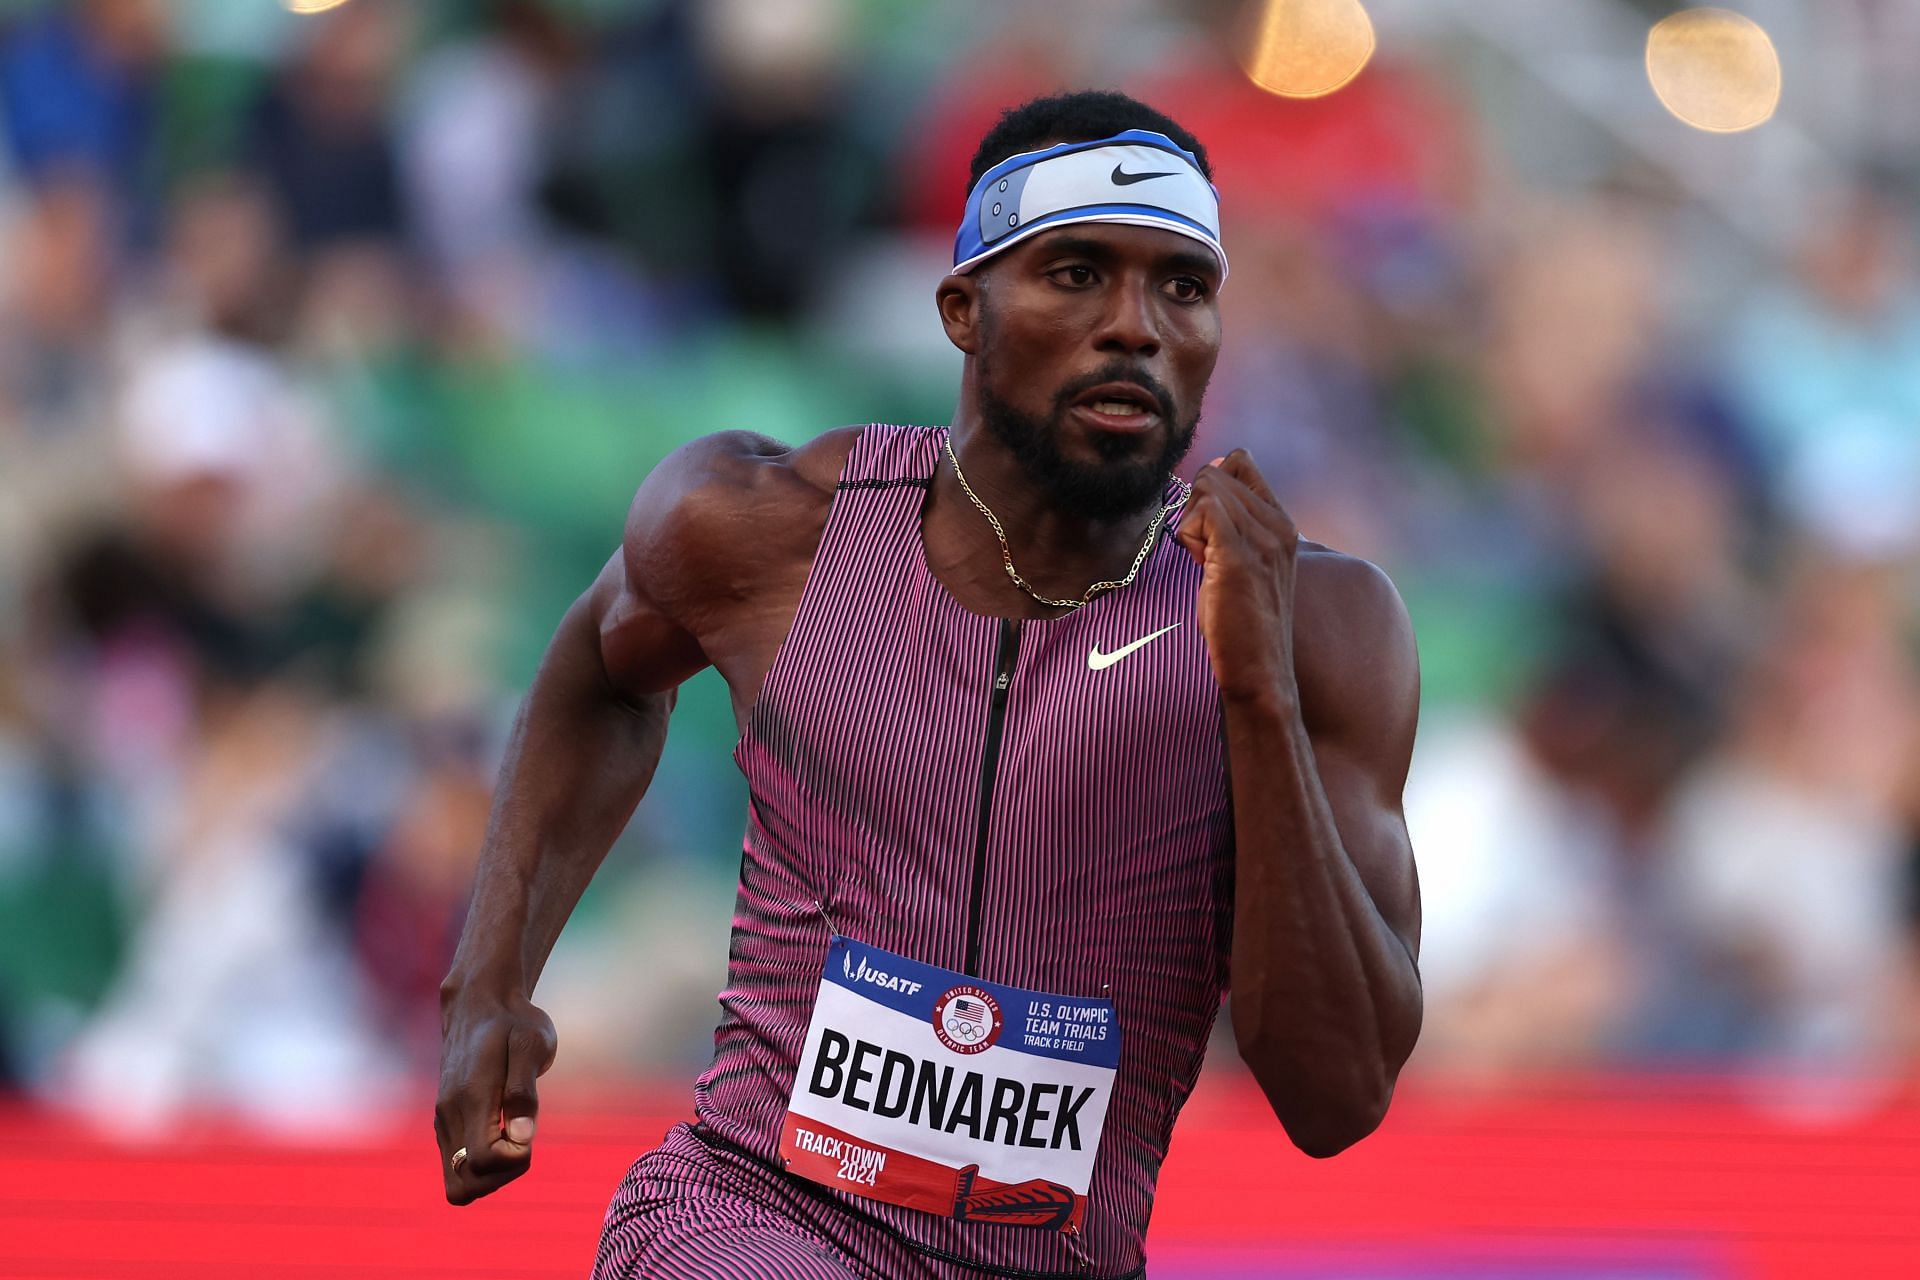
459, 1158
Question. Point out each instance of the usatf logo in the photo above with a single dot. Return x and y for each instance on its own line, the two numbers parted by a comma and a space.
864, 972
967, 1019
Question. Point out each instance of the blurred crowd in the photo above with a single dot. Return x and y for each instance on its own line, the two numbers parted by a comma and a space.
332, 347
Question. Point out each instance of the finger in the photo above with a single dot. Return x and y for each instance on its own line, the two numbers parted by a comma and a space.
1241, 476
479, 1126
1235, 517
446, 1148
1229, 509
462, 1184
469, 1100
1215, 515
1202, 519
529, 1054
1240, 465
1195, 527
1240, 470
458, 1182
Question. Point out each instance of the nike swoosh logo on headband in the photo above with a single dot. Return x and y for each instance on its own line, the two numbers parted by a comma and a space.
1123, 179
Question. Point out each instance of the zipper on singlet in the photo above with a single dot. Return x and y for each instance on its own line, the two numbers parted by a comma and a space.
1004, 652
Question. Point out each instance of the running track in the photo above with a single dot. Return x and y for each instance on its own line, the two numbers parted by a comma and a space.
1572, 1180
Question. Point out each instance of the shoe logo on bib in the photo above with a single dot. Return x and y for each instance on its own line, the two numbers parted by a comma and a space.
1098, 661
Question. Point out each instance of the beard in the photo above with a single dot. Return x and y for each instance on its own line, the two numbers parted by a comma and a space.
1123, 481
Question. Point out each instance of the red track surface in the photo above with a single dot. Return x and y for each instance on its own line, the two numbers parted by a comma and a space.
1597, 1178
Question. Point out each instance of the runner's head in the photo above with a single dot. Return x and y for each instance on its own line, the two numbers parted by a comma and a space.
1085, 273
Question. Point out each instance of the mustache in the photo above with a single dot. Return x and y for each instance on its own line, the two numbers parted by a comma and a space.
1118, 371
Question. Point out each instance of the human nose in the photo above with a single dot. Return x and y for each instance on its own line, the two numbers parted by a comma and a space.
1130, 324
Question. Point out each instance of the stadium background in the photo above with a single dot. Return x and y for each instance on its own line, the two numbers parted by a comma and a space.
332, 347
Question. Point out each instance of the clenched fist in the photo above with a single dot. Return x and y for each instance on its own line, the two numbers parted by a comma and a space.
1246, 543
492, 1050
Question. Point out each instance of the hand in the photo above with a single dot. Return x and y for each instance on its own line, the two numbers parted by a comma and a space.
491, 1051
1247, 546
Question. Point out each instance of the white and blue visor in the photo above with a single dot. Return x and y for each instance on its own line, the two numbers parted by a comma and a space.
1138, 178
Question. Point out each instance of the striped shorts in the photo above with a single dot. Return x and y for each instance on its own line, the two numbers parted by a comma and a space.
690, 1211
696, 1208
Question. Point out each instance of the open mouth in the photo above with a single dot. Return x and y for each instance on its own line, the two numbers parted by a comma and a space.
1121, 406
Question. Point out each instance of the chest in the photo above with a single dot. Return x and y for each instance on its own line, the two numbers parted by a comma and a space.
1110, 710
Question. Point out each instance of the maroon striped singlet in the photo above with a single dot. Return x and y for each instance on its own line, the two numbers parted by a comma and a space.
974, 793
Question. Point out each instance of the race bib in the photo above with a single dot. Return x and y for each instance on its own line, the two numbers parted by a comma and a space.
925, 1088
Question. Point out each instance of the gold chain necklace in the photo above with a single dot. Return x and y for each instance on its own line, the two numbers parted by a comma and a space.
1006, 552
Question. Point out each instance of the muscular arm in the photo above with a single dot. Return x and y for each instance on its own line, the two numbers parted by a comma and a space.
580, 757
583, 750
1326, 989
1320, 688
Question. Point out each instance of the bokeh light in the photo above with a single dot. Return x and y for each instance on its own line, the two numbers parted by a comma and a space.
311, 6
1309, 48
1714, 69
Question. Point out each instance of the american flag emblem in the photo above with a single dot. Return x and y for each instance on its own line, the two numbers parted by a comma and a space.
967, 1019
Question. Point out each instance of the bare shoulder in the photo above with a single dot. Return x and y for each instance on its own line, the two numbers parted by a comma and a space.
1345, 592
1354, 650
723, 512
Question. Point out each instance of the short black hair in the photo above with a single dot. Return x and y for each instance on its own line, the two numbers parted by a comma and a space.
1086, 115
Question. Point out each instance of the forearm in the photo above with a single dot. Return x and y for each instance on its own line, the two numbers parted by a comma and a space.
579, 759
1326, 998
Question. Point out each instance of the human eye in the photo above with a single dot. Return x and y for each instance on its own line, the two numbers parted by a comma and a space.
1188, 288
1076, 275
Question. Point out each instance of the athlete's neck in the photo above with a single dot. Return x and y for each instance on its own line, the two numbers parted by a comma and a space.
1059, 552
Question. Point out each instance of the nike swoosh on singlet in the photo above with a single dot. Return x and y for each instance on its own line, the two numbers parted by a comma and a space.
1123, 179
1098, 661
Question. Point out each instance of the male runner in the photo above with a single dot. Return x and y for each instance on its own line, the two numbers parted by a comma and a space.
1045, 752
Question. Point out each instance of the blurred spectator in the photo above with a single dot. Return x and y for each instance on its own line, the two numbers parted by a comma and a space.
412, 899
329, 363
1788, 849
773, 142
234, 994
320, 133
321, 139
1826, 362
1300, 389
79, 100
1524, 959
478, 126
227, 268
57, 306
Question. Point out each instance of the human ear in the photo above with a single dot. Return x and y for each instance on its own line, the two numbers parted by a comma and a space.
958, 300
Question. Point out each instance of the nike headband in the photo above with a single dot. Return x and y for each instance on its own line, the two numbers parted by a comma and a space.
1138, 177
